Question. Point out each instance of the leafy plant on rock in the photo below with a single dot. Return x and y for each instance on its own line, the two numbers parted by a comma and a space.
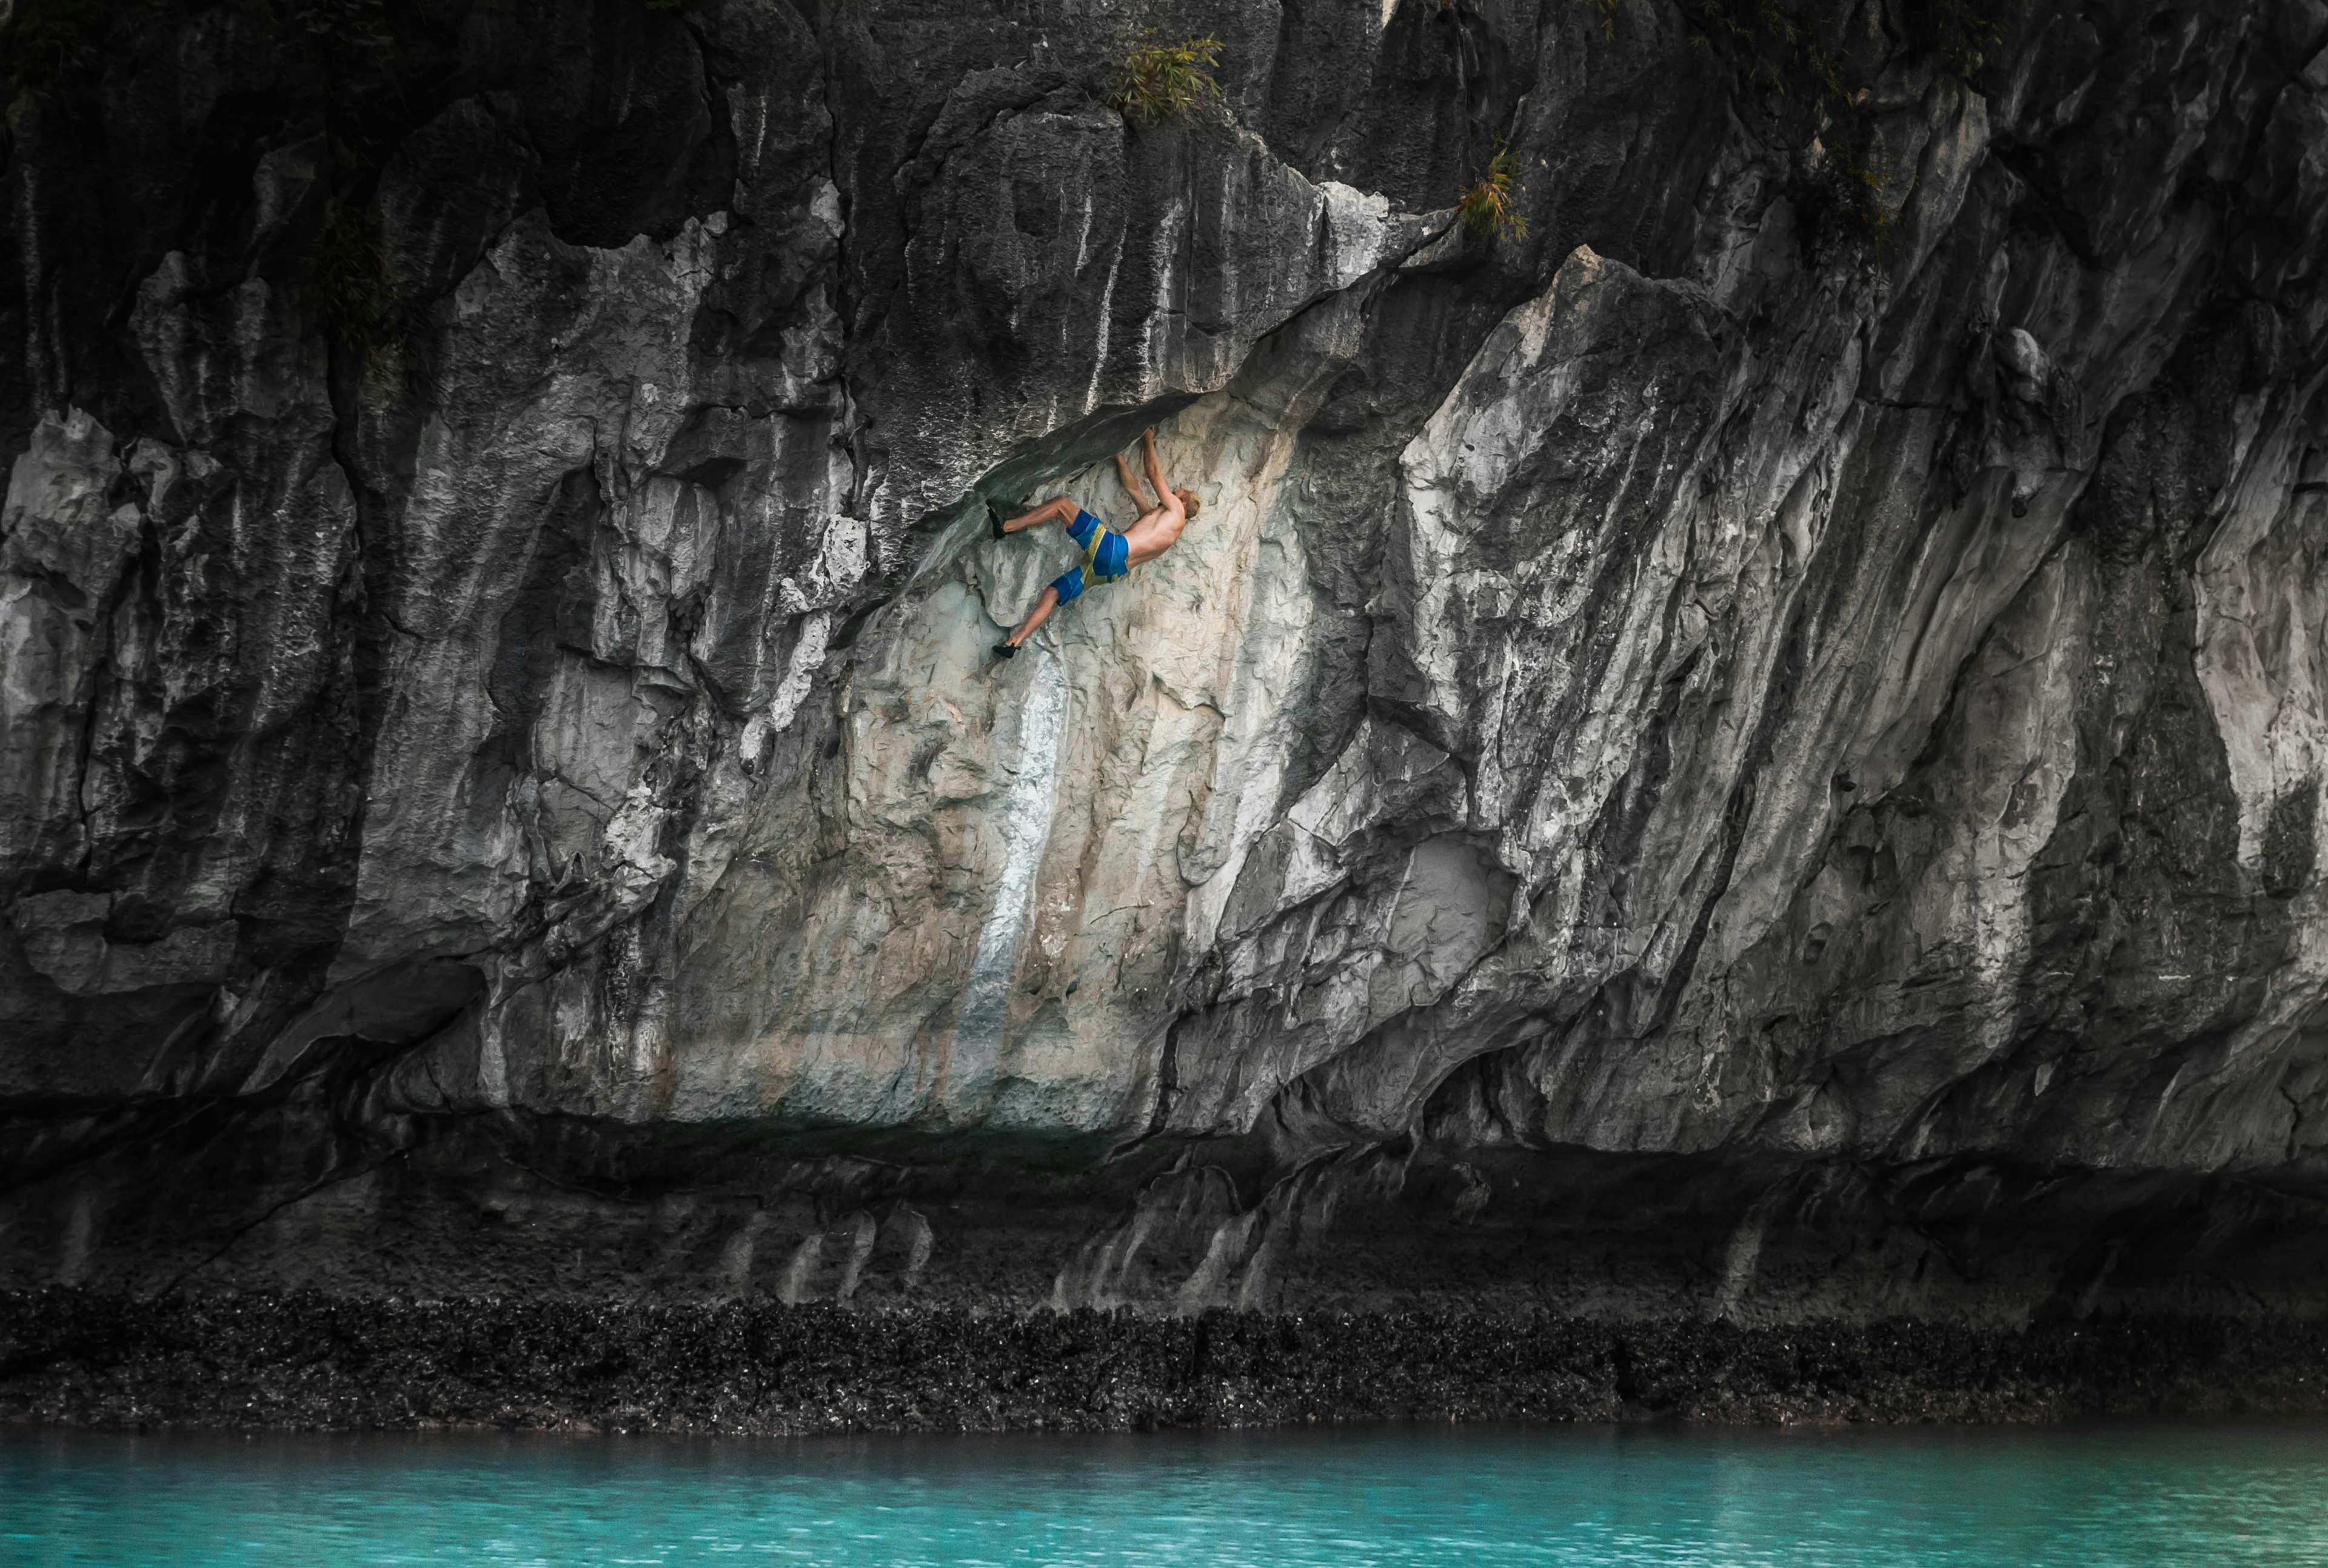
1957, 33
1155, 82
348, 73
339, 24
348, 277
357, 51
1490, 206
1847, 185
1797, 75
46, 38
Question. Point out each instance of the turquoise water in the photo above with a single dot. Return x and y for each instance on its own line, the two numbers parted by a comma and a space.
2087, 1497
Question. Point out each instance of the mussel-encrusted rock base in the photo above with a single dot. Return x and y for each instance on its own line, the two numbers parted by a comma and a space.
317, 1362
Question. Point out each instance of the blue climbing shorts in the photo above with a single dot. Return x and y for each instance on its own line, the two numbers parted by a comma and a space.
1111, 562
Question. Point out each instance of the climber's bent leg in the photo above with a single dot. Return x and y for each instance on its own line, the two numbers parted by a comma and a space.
1001, 520
1045, 603
1052, 597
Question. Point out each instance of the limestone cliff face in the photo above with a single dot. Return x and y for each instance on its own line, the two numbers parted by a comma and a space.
1755, 747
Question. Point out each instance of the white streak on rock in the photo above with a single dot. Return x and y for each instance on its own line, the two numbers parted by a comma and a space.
808, 657
1026, 829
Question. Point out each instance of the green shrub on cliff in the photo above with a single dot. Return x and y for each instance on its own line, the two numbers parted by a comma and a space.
1957, 33
1490, 206
1162, 81
1801, 76
46, 38
348, 279
1844, 188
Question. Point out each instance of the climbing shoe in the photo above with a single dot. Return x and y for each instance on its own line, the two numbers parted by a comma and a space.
1005, 651
1000, 512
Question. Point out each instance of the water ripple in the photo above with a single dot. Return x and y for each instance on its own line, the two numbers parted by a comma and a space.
2093, 1498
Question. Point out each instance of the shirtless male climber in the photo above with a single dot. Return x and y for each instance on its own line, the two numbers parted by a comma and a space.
1107, 555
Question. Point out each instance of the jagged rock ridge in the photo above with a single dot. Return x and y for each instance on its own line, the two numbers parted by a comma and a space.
1736, 751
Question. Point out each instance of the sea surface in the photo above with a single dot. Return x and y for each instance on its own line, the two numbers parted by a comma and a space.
2145, 1493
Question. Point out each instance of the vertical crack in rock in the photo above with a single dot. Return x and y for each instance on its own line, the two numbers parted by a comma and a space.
1027, 806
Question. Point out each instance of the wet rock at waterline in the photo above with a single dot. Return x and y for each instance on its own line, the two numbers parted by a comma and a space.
1750, 747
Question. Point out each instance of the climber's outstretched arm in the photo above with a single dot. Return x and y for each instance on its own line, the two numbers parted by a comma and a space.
1155, 467
1131, 485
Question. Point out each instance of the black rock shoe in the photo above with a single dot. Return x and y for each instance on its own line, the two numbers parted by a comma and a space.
1000, 512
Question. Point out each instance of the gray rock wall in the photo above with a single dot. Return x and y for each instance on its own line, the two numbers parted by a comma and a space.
1755, 749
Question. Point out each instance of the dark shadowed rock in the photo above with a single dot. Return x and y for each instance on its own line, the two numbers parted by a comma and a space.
1750, 752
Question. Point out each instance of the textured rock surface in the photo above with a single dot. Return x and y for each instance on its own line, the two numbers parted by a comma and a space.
1715, 757
728, 1368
